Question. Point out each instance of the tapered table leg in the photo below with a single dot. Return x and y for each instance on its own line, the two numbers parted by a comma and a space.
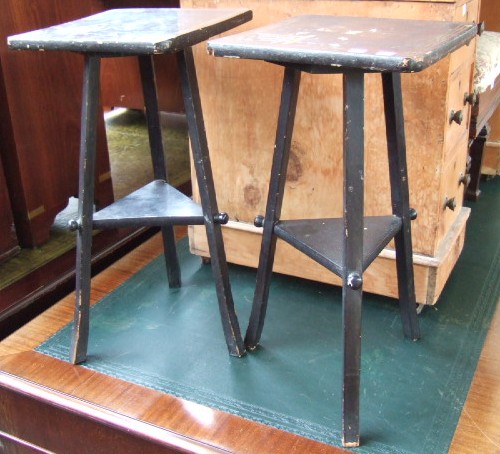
291, 82
90, 106
352, 279
213, 218
159, 168
393, 105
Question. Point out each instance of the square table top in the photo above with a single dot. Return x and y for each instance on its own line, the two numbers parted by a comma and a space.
133, 31
370, 44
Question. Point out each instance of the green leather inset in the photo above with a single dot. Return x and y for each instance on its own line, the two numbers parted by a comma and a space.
412, 393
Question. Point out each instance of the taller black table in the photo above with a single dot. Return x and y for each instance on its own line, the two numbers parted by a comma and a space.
144, 32
351, 46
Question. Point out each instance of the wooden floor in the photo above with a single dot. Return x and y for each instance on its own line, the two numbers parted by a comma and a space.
78, 410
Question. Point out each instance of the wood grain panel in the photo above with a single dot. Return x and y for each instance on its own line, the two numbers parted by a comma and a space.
121, 85
43, 93
8, 238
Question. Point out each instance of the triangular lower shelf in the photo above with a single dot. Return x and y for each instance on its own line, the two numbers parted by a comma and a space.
323, 239
155, 204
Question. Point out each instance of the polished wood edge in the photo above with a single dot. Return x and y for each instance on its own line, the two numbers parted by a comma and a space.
104, 415
478, 429
42, 377
18, 442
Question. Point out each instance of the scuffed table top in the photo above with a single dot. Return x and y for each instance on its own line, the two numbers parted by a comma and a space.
371, 44
133, 31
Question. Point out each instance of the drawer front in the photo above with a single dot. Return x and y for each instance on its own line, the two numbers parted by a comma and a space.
467, 12
452, 184
458, 107
464, 55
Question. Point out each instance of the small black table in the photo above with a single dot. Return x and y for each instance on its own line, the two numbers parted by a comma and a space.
144, 32
351, 46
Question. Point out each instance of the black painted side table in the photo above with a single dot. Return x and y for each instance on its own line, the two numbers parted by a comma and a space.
346, 246
143, 33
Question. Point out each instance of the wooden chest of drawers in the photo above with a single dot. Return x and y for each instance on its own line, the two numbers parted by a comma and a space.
240, 101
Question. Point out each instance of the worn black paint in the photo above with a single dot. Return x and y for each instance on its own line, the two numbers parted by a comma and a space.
133, 31
336, 42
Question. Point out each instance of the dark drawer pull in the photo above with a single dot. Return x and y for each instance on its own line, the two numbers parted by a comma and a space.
456, 116
450, 203
470, 98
